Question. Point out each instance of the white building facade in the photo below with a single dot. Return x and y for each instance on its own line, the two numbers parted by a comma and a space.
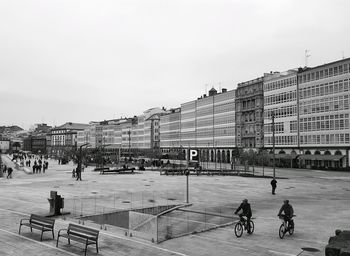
324, 115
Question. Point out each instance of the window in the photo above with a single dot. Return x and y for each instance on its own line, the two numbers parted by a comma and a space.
346, 85
321, 74
330, 71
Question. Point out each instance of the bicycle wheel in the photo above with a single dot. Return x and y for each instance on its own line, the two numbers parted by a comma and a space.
238, 229
281, 232
251, 227
291, 231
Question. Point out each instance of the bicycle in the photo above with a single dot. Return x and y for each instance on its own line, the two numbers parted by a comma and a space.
242, 224
283, 230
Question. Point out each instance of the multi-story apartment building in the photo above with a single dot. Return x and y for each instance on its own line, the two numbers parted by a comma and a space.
133, 136
324, 115
36, 143
207, 124
106, 133
188, 124
64, 137
280, 101
4, 145
145, 134
170, 130
249, 114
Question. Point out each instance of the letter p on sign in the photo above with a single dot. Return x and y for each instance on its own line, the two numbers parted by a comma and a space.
193, 154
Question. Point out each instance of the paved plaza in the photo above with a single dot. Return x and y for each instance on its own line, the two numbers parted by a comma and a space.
320, 200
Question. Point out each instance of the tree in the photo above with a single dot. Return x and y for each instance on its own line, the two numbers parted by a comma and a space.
263, 159
16, 146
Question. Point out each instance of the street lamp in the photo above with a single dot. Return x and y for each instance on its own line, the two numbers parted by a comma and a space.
80, 155
129, 133
215, 153
273, 143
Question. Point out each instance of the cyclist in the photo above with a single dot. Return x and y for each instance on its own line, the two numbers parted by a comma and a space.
246, 211
288, 211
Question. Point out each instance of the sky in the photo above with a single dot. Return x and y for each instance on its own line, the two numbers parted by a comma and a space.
80, 61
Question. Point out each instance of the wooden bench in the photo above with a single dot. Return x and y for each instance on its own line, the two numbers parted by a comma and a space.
38, 222
100, 169
121, 170
80, 234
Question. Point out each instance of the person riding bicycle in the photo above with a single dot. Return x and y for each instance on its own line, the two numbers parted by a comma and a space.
246, 211
288, 211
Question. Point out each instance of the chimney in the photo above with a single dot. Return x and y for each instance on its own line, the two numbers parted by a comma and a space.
212, 92
224, 90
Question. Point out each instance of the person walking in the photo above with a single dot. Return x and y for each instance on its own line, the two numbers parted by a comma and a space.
78, 172
273, 185
9, 173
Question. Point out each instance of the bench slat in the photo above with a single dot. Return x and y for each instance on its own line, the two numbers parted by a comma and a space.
78, 239
42, 219
81, 229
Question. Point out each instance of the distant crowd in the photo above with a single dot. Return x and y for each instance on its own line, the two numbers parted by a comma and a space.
40, 163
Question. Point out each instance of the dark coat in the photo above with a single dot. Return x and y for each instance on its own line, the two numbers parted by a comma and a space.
287, 209
245, 207
274, 183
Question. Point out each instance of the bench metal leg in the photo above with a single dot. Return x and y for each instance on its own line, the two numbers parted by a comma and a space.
86, 245
96, 247
31, 229
58, 237
41, 238
19, 231
53, 234
68, 241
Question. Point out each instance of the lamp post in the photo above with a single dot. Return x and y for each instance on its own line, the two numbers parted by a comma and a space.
80, 156
181, 152
273, 143
129, 133
215, 153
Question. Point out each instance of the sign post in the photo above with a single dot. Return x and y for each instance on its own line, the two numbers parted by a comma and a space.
193, 156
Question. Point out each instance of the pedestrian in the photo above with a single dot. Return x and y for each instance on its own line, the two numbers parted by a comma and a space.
73, 173
5, 169
34, 168
273, 185
78, 172
9, 173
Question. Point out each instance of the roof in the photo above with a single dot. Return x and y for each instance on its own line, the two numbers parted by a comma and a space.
321, 157
72, 126
323, 65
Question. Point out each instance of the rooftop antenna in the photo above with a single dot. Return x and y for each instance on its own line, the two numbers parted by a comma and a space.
206, 88
307, 55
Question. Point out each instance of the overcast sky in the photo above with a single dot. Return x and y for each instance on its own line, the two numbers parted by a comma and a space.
86, 60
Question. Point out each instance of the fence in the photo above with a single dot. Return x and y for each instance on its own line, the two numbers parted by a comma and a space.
147, 215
